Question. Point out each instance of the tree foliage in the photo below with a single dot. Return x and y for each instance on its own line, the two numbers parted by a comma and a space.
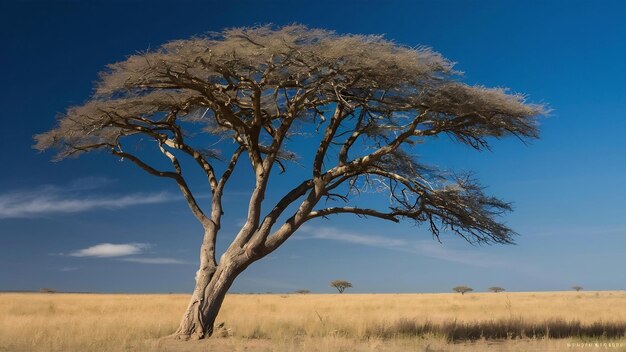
496, 289
364, 102
340, 285
577, 288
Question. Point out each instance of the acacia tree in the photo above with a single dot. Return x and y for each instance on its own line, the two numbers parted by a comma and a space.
496, 289
577, 288
246, 93
462, 289
340, 285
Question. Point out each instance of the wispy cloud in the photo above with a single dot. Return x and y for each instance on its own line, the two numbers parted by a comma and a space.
126, 252
106, 250
420, 247
49, 199
154, 260
89, 182
332, 233
68, 268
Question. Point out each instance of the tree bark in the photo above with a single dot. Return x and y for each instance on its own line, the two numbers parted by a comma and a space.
212, 283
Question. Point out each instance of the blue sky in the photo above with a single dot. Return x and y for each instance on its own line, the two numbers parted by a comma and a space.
95, 224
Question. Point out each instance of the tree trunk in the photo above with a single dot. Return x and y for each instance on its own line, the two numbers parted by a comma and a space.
212, 283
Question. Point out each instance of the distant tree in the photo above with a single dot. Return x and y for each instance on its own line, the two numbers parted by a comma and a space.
496, 289
462, 289
303, 292
340, 285
47, 290
577, 288
361, 104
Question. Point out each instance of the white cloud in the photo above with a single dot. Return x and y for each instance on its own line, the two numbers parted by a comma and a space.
428, 248
106, 250
55, 200
154, 260
122, 252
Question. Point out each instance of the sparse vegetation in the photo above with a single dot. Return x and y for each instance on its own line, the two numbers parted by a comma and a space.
303, 292
496, 289
116, 323
577, 288
47, 290
340, 285
462, 289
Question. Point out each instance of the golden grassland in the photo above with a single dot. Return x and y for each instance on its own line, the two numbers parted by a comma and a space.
312, 322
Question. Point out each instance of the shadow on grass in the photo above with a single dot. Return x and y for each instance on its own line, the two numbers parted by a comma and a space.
499, 329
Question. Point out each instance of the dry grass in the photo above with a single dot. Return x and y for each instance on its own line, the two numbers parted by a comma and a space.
349, 322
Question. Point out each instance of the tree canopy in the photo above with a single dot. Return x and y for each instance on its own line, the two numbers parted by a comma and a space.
260, 86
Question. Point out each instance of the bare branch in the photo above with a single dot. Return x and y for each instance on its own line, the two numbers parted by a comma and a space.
143, 165
230, 168
329, 134
392, 216
358, 130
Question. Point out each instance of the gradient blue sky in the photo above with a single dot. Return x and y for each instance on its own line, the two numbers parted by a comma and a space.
567, 188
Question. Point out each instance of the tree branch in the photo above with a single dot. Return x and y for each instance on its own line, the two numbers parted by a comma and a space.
143, 165
366, 160
345, 148
392, 216
229, 169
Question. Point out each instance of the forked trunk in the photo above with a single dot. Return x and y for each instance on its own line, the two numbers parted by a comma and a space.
212, 283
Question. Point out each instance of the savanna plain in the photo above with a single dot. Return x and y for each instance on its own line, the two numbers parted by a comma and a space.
528, 321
